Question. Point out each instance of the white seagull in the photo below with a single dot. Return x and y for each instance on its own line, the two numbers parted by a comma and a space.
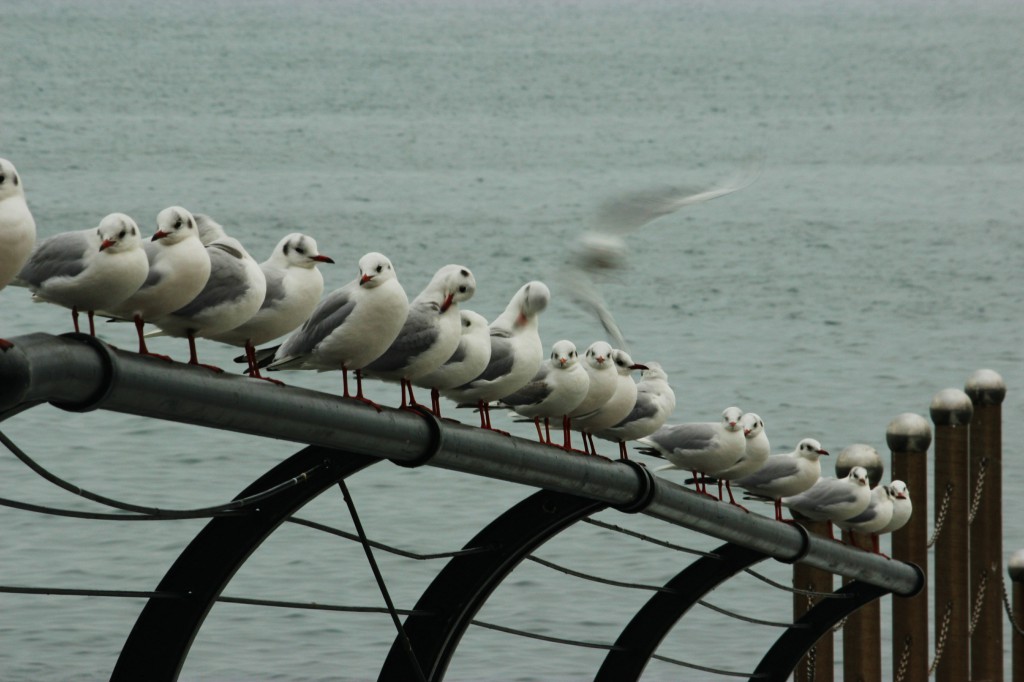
351, 327
755, 454
17, 226
786, 474
655, 402
699, 447
294, 287
233, 292
874, 518
88, 270
902, 507
616, 408
431, 331
178, 270
516, 352
467, 362
597, 360
557, 387
833, 499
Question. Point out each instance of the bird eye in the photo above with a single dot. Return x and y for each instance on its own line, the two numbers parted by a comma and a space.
299, 249
379, 268
177, 223
462, 289
121, 236
2, 178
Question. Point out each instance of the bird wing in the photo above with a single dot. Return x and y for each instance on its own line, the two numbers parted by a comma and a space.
227, 281
63, 255
418, 334
325, 318
532, 393
503, 357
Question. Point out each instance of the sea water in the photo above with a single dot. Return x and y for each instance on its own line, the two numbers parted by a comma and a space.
876, 260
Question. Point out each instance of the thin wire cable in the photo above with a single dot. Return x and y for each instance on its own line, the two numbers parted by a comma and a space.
716, 671
797, 590
386, 548
235, 506
413, 661
647, 538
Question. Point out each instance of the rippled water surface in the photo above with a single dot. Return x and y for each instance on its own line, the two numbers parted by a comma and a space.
877, 259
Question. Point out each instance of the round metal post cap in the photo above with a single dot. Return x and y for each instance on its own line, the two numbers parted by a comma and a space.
1015, 566
909, 432
861, 455
951, 407
986, 387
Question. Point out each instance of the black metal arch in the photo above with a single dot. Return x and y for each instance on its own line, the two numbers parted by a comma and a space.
780, 661
641, 637
163, 633
457, 593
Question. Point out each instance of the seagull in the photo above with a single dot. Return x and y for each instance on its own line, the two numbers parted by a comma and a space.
655, 402
431, 332
833, 499
178, 270
232, 294
467, 362
874, 518
294, 287
755, 454
17, 226
556, 388
88, 269
698, 447
516, 352
786, 474
902, 507
597, 361
351, 327
616, 408
602, 249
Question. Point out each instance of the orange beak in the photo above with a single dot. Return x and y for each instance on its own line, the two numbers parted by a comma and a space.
107, 243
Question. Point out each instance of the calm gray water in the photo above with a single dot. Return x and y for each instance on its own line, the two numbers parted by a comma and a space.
876, 261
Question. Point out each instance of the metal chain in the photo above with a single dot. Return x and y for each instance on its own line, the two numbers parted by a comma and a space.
978, 601
904, 659
941, 643
943, 511
976, 502
812, 653
1009, 610
839, 626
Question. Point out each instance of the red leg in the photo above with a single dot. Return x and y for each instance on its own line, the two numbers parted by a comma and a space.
74, 318
732, 500
92, 324
193, 357
547, 430
254, 364
359, 392
536, 424
139, 324
566, 433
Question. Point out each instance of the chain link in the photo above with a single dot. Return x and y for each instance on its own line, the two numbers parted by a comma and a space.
943, 511
904, 659
943, 634
812, 653
978, 602
976, 502
1009, 610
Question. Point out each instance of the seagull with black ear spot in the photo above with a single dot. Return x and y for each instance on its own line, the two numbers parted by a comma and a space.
350, 328
431, 331
516, 352
468, 360
616, 408
178, 270
86, 270
232, 295
294, 287
655, 402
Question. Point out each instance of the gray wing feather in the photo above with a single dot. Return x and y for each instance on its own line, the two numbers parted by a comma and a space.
683, 437
502, 359
275, 287
418, 334
227, 281
532, 393
821, 495
326, 317
154, 276
773, 469
869, 514
58, 256
645, 407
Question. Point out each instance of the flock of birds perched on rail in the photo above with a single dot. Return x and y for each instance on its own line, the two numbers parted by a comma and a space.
190, 279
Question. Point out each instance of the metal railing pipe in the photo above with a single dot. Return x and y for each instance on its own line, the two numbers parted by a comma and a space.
125, 382
1015, 568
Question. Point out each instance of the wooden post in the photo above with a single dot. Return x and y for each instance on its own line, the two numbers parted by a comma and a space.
909, 437
1016, 570
986, 391
951, 412
862, 633
818, 664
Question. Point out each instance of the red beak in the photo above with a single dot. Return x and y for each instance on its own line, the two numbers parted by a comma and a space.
364, 279
159, 234
822, 452
639, 367
106, 244
323, 259
447, 302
